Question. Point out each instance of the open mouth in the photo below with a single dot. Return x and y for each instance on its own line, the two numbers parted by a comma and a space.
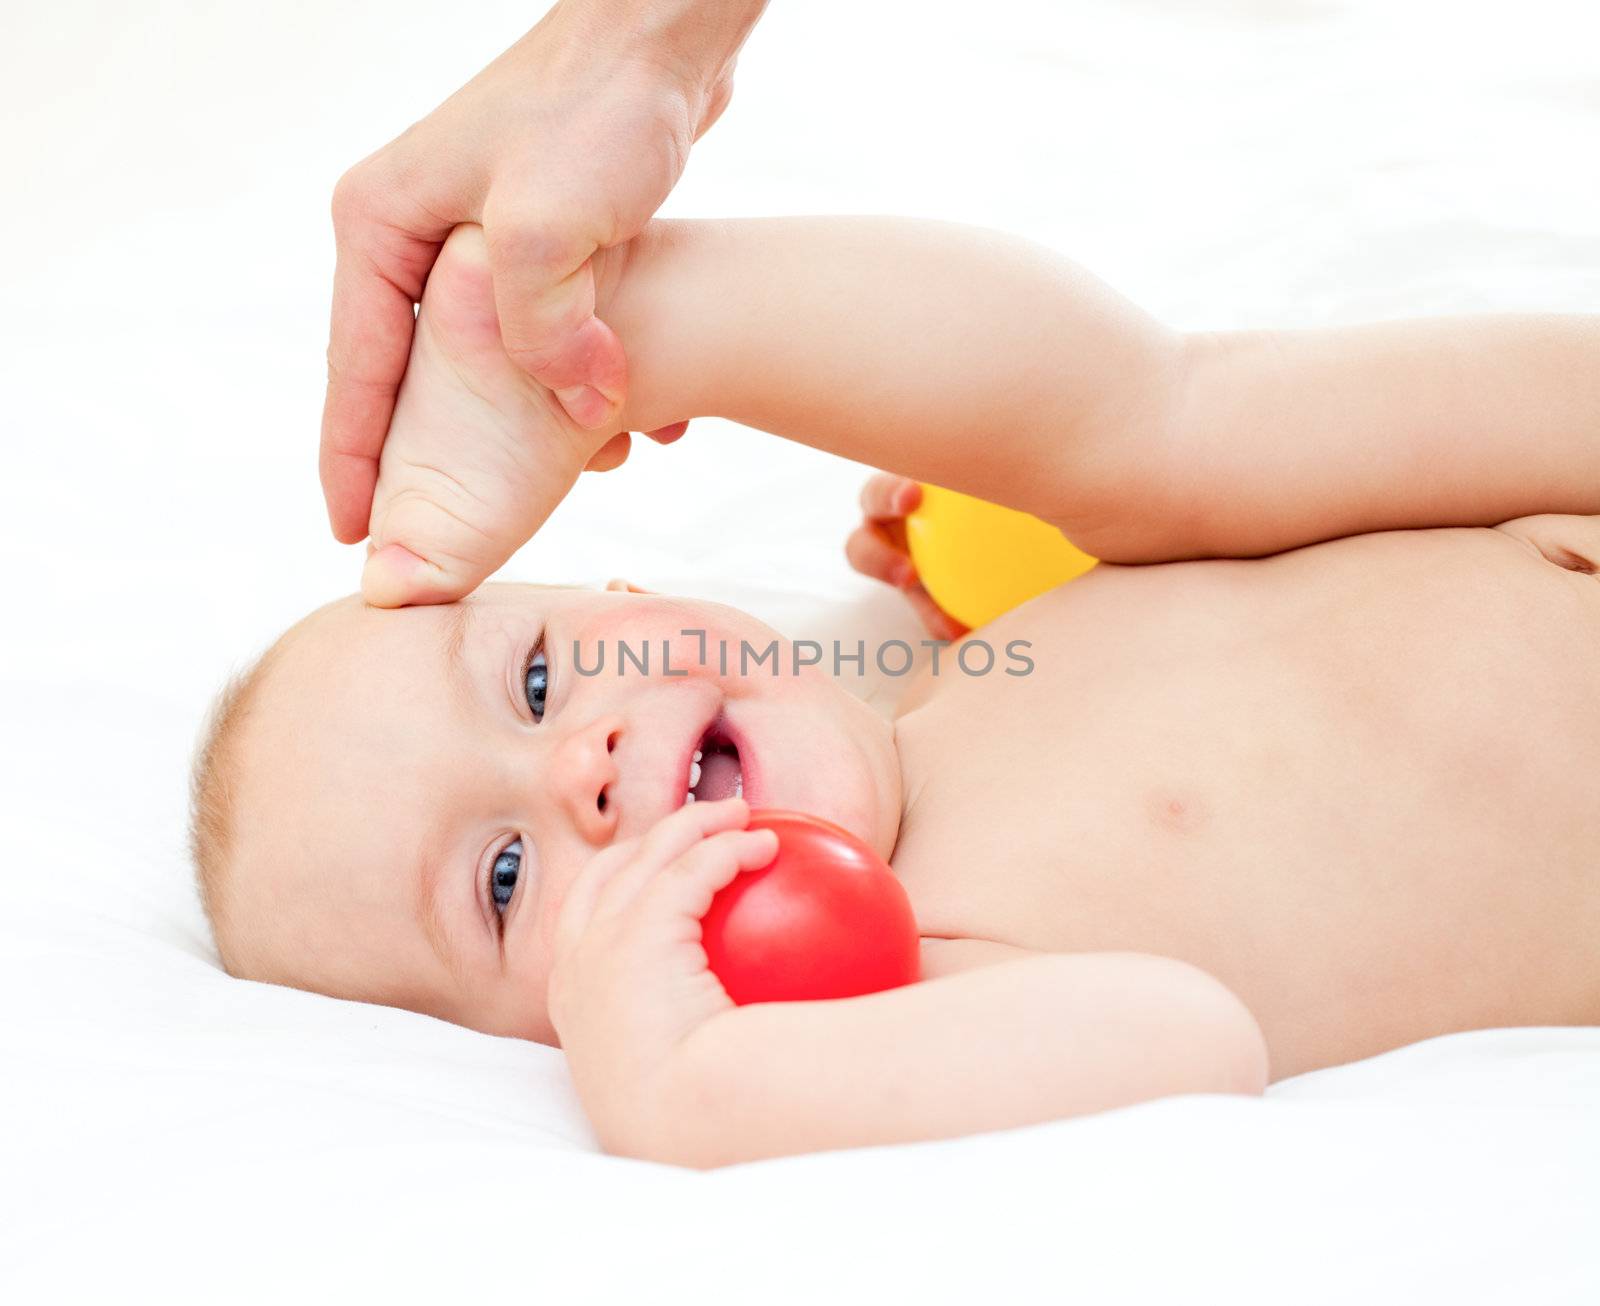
715, 771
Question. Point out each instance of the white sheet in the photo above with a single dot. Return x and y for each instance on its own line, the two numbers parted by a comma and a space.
165, 294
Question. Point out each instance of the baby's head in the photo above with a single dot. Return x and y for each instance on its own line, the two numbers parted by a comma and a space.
391, 804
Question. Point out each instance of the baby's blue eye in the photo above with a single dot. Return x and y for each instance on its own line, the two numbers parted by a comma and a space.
503, 879
536, 683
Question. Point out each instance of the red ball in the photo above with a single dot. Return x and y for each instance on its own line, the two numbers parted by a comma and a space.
825, 919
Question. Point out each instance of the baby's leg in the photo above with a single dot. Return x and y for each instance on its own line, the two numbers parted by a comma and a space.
477, 453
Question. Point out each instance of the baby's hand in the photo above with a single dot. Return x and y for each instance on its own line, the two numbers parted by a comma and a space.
877, 548
478, 454
629, 979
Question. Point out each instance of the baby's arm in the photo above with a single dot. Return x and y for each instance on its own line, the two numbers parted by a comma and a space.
669, 1069
1018, 1043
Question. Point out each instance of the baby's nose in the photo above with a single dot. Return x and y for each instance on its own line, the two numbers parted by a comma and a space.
584, 774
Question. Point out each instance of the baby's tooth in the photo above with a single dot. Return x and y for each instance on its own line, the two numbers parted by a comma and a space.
687, 799
738, 785
694, 773
697, 754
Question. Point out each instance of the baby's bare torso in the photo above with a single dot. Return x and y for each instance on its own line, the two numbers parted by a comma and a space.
1359, 783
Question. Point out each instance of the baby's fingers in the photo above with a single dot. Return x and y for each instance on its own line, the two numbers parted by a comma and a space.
874, 552
687, 886
888, 497
935, 620
666, 841
577, 909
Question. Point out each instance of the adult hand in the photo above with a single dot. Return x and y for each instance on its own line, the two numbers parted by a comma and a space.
565, 144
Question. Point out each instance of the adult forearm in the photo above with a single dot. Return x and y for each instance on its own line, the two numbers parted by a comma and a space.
946, 353
1296, 436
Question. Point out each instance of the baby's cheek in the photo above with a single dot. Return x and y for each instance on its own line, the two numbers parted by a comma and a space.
663, 636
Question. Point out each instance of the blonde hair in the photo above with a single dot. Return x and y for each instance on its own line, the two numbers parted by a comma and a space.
214, 796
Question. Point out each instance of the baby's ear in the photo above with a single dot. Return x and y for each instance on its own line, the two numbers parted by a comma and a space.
628, 585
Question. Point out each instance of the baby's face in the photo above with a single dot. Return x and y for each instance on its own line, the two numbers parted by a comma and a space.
398, 759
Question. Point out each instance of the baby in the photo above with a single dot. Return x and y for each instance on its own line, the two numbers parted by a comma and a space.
1305, 770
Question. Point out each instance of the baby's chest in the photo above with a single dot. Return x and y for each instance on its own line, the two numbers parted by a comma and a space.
1212, 765
1033, 812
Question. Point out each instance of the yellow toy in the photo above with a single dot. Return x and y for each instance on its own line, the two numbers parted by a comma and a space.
978, 559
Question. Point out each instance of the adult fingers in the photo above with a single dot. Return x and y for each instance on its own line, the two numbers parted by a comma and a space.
378, 276
886, 496
873, 552
368, 344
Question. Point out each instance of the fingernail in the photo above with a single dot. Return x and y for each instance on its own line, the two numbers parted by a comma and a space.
585, 405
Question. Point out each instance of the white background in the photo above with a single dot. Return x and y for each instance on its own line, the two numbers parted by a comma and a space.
163, 300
